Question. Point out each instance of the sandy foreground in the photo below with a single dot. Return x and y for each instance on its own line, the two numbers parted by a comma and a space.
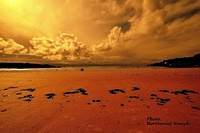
118, 100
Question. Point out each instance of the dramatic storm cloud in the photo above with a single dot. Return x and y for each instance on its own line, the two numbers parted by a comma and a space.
158, 30
109, 31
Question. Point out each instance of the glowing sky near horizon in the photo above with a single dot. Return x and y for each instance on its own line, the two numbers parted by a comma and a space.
98, 31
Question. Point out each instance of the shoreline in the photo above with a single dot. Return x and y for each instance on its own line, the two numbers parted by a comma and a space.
99, 100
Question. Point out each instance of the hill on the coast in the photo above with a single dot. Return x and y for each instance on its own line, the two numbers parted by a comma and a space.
180, 62
24, 65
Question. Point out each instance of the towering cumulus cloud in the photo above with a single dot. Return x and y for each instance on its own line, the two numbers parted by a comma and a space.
65, 46
11, 47
113, 39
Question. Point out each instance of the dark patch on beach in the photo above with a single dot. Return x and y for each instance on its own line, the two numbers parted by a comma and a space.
115, 91
28, 89
82, 69
164, 91
191, 101
103, 106
72, 92
6, 95
134, 97
135, 89
96, 101
188, 97
19, 93
195, 107
27, 98
162, 101
145, 105
160, 104
50, 95
80, 90
3, 110
184, 92
122, 105
153, 95
11, 87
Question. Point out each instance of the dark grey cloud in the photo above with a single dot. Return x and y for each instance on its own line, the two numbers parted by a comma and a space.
183, 15
191, 2
163, 3
121, 2
124, 26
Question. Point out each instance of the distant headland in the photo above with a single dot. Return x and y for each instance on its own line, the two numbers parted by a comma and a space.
25, 65
180, 62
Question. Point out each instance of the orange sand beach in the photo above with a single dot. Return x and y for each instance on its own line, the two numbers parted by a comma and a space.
108, 100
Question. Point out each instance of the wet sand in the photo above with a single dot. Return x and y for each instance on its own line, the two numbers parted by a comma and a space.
118, 100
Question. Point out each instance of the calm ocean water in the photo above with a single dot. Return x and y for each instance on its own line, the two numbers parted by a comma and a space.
78, 68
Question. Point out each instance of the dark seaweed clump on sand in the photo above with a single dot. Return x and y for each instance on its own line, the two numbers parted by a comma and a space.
164, 91
134, 97
115, 91
94, 101
8, 88
184, 92
135, 89
3, 110
80, 90
196, 108
27, 98
29, 89
160, 101
50, 95
153, 96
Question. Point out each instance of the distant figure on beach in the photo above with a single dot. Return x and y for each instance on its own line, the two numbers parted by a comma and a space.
82, 69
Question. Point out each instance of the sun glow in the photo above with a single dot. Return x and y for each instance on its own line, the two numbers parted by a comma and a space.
12, 1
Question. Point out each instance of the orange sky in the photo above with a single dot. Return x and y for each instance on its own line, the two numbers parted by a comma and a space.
98, 31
